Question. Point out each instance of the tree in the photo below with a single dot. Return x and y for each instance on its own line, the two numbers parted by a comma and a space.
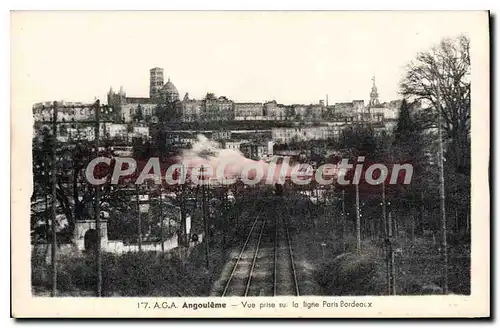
75, 196
408, 147
405, 127
139, 116
142, 150
359, 140
168, 112
40, 218
445, 68
443, 71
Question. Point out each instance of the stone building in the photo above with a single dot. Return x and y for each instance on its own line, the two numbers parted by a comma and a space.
274, 110
296, 134
344, 109
391, 109
155, 82
243, 111
300, 111
137, 110
234, 144
380, 112
132, 108
169, 91
254, 150
375, 109
221, 135
67, 112
217, 108
191, 109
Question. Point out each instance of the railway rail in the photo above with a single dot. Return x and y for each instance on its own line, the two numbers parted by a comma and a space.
265, 265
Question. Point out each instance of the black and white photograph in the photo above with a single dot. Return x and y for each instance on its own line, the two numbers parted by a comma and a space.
252, 161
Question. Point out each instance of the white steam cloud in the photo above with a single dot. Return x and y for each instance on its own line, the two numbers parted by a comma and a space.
209, 153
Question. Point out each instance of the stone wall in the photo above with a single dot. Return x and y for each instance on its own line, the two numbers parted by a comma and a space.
82, 226
43, 251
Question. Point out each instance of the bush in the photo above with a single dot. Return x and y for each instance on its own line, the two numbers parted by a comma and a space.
352, 274
130, 274
40, 271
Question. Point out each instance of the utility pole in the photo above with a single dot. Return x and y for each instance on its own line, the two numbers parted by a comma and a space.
442, 193
390, 255
422, 206
205, 219
388, 242
139, 219
467, 227
54, 201
183, 235
56, 107
384, 211
47, 216
161, 221
98, 204
226, 214
358, 221
343, 220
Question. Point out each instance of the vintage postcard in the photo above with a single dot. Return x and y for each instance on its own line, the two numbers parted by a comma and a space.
277, 164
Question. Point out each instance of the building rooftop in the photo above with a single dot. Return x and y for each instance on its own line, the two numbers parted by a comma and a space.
139, 100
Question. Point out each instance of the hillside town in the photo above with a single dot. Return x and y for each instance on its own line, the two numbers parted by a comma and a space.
244, 126
392, 237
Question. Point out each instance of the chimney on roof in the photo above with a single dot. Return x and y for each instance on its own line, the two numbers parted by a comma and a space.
270, 147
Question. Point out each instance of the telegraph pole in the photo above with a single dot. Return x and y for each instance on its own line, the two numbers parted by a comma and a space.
442, 193
161, 221
98, 205
55, 107
390, 258
54, 201
358, 221
388, 245
139, 219
225, 214
182, 188
384, 210
205, 219
343, 221
47, 216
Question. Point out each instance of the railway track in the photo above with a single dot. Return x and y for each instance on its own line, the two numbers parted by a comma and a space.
286, 273
265, 265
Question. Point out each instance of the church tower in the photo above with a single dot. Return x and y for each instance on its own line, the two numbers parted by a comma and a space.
155, 81
110, 96
373, 96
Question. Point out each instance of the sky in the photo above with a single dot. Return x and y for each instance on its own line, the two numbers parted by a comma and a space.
290, 57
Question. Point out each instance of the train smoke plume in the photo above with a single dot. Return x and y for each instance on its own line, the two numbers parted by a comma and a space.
209, 153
